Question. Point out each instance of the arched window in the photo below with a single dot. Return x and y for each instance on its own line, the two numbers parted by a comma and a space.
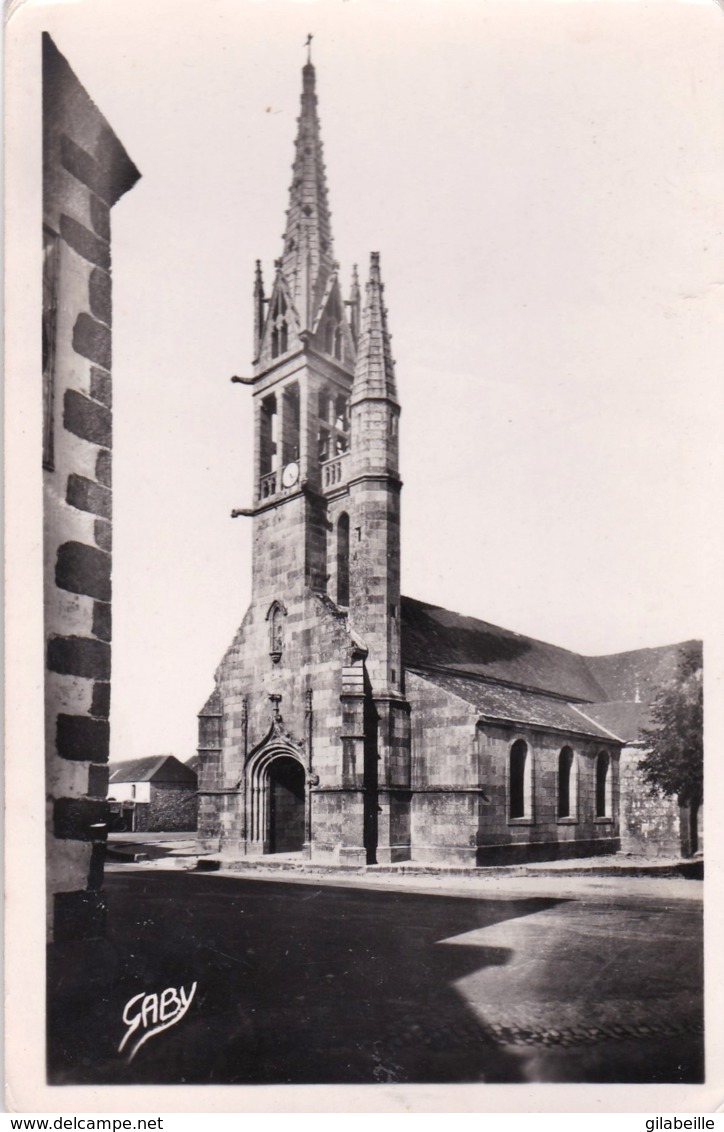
520, 781
283, 337
343, 560
275, 617
566, 783
338, 342
275, 342
603, 785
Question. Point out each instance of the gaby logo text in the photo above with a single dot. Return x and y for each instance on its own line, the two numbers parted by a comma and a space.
149, 1014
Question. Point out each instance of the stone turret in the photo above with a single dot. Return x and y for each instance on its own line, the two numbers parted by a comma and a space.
374, 487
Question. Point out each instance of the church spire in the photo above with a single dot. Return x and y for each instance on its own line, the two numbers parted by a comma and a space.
259, 307
374, 375
355, 304
308, 259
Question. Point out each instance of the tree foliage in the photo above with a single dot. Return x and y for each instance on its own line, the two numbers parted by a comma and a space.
675, 759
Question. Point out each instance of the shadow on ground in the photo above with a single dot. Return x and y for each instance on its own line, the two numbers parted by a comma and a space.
296, 983
331, 984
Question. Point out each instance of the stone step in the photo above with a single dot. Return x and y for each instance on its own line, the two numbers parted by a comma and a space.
692, 869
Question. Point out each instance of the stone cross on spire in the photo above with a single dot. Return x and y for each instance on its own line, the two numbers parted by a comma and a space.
308, 259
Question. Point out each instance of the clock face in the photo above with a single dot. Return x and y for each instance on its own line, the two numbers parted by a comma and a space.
290, 475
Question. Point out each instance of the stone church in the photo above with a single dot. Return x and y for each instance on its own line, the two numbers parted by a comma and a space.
356, 726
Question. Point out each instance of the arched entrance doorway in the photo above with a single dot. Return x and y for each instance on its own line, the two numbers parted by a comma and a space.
286, 805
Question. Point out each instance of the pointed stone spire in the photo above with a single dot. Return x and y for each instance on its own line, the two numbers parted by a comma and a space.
354, 303
259, 304
374, 374
308, 257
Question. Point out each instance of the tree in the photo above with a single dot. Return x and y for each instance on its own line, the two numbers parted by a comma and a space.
675, 758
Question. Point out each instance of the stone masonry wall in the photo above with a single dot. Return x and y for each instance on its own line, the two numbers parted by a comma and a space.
650, 823
543, 835
85, 171
446, 787
173, 808
460, 779
308, 681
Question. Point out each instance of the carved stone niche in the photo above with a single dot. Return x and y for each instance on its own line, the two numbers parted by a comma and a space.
275, 617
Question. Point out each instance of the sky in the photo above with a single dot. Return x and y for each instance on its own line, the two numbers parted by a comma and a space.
543, 182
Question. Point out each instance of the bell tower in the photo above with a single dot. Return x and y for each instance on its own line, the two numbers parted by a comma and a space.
305, 739
305, 343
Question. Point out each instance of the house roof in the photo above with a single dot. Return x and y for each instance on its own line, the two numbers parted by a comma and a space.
494, 703
155, 768
439, 638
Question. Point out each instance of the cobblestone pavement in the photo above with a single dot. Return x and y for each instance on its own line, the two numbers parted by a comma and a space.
528, 1024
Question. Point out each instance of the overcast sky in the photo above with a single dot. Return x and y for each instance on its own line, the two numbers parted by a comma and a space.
544, 184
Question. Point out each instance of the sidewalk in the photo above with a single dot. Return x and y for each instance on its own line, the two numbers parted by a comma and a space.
180, 850
585, 866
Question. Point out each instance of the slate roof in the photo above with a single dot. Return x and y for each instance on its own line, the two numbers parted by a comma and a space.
465, 645
638, 674
508, 676
155, 768
494, 703
623, 718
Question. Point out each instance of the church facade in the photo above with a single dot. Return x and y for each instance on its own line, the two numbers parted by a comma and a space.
348, 723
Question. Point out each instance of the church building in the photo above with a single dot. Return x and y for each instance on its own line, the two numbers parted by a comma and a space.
350, 724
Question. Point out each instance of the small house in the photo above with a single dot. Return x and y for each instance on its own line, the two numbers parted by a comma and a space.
155, 795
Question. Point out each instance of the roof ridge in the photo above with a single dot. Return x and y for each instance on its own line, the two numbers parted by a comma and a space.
550, 644
643, 648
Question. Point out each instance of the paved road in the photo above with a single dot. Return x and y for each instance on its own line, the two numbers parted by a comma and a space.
302, 981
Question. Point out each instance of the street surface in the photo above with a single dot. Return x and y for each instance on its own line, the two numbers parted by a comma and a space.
384, 980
